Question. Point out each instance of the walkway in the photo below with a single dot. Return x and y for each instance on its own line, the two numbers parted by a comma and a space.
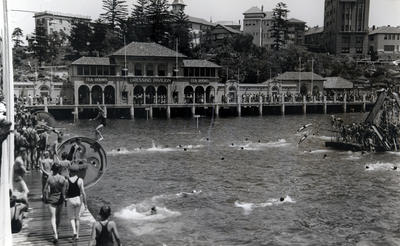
37, 229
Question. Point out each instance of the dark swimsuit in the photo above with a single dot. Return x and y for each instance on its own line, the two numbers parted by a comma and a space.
105, 238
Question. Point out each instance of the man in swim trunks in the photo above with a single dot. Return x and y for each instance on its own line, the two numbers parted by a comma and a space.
101, 117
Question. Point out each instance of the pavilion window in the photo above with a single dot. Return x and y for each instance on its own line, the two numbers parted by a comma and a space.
80, 70
124, 71
186, 72
202, 72
85, 70
106, 70
191, 72
112, 70
100, 70
208, 72
212, 72
197, 72
138, 69
92, 70
162, 70
149, 70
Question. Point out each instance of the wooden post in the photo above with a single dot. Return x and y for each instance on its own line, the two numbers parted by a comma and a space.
261, 106
193, 111
304, 105
132, 112
168, 112
364, 103
345, 103
76, 114
151, 112
46, 109
239, 110
325, 106
217, 110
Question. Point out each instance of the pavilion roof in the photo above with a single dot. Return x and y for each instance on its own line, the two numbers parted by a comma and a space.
337, 83
84, 60
299, 75
200, 63
143, 49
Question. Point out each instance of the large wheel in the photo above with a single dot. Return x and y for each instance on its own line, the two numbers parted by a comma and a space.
90, 157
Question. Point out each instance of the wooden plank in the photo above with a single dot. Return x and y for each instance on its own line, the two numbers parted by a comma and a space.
37, 228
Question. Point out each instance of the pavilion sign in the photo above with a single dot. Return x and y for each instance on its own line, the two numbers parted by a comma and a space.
149, 80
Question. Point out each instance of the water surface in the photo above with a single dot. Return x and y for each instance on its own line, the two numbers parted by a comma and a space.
221, 184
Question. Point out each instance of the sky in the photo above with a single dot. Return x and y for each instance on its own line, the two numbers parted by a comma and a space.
382, 12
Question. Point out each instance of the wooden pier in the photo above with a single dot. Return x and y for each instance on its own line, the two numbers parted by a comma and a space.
36, 226
235, 108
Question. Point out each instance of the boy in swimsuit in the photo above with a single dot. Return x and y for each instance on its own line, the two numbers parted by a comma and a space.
101, 117
105, 230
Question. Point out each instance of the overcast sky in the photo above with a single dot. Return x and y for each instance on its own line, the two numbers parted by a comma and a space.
383, 12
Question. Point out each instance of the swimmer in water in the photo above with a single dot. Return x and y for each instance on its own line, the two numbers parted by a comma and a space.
325, 156
304, 127
153, 210
222, 158
395, 168
282, 199
242, 148
184, 149
367, 167
303, 138
259, 141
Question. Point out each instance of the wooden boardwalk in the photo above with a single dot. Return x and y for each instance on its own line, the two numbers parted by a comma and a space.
37, 228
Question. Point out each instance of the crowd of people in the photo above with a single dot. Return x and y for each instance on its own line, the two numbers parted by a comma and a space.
62, 184
39, 100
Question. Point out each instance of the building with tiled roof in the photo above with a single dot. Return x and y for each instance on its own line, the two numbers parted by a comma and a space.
58, 22
220, 33
314, 39
143, 73
385, 41
258, 23
84, 60
144, 49
305, 83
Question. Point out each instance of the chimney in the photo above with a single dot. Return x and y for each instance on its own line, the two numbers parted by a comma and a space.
373, 27
262, 8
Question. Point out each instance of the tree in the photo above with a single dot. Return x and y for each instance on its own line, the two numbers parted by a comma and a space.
159, 19
104, 40
40, 45
138, 25
80, 38
180, 32
17, 37
279, 25
116, 13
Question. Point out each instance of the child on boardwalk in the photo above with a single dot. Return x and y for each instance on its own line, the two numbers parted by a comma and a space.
104, 231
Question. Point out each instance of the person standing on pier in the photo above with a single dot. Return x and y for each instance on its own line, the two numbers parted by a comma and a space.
54, 191
101, 117
74, 192
105, 230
